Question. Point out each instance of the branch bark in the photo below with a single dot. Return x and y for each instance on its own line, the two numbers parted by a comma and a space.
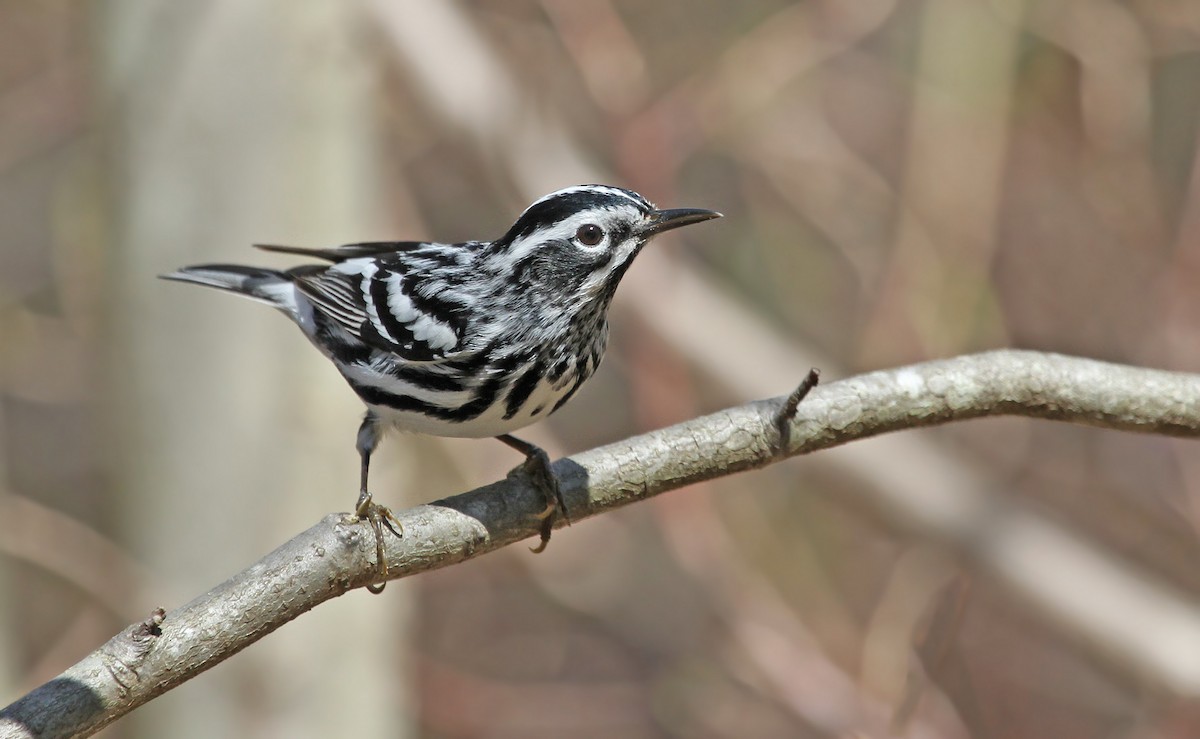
337, 555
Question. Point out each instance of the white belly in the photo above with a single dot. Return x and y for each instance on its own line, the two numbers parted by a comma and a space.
491, 422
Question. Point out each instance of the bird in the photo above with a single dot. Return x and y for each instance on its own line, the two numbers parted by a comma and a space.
473, 339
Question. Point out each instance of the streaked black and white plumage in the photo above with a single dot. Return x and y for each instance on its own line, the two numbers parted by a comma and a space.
472, 339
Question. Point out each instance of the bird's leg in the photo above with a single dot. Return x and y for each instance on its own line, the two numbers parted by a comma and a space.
537, 466
368, 439
366, 509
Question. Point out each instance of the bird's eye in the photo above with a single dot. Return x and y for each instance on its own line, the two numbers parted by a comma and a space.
589, 234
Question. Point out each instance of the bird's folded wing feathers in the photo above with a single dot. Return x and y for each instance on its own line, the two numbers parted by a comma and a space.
336, 296
372, 302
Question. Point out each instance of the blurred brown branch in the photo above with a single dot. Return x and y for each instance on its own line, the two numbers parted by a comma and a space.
71, 550
337, 555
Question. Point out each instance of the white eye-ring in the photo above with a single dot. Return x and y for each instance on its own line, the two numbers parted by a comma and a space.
589, 234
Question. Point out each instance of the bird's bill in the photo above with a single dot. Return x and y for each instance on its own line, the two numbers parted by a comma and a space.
665, 220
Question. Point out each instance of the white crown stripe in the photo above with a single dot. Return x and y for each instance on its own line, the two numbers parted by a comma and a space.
634, 198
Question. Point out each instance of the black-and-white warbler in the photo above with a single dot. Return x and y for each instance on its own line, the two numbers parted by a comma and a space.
472, 339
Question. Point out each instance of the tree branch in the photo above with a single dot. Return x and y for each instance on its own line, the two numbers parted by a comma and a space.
337, 555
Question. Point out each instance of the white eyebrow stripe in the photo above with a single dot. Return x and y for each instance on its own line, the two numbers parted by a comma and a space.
564, 230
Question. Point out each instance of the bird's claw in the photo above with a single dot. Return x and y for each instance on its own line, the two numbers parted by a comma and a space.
537, 469
378, 517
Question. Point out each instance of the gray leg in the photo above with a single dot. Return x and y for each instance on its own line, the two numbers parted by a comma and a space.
368, 439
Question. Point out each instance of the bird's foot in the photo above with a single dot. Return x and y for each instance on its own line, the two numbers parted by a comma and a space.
537, 468
378, 517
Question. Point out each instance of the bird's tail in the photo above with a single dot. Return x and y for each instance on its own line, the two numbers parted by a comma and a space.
266, 285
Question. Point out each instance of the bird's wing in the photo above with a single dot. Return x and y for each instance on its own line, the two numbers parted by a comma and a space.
348, 251
377, 302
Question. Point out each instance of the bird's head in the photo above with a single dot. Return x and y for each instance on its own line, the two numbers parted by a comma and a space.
583, 238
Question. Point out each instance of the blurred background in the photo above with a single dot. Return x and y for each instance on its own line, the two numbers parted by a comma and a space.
901, 181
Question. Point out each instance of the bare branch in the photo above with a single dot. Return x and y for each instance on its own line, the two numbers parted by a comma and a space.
337, 555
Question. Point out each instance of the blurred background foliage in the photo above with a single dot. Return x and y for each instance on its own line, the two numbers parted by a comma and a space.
901, 180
